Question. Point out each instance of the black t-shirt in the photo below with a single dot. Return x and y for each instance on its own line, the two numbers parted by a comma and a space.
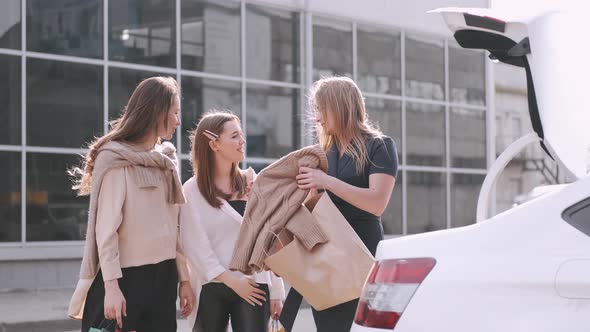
382, 159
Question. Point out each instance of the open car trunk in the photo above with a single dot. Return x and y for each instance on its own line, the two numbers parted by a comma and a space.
551, 49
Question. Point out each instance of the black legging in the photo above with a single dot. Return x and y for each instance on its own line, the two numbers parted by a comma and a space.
218, 302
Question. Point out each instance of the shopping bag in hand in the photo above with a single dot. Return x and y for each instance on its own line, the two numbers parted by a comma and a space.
275, 326
106, 328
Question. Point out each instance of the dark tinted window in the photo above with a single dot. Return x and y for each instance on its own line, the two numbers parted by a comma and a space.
10, 196
10, 99
54, 212
211, 36
143, 32
65, 27
64, 103
10, 21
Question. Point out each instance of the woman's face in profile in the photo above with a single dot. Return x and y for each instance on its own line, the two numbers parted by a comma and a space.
173, 115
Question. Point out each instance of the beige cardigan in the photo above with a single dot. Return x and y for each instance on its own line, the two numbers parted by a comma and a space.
275, 203
132, 217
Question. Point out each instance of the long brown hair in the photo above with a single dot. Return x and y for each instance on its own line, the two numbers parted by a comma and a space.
150, 100
342, 99
203, 160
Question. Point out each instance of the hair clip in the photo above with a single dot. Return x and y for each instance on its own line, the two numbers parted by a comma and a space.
211, 135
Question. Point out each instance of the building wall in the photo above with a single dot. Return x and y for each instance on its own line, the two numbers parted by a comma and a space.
257, 58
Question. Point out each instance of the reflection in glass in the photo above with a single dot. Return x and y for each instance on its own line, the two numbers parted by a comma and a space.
425, 68
464, 193
425, 125
426, 202
10, 21
273, 126
468, 138
10, 196
10, 99
392, 216
272, 44
143, 32
466, 76
65, 27
332, 48
387, 115
379, 61
200, 95
64, 103
54, 212
211, 36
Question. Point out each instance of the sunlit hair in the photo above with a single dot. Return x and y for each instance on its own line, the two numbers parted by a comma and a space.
203, 160
341, 98
150, 101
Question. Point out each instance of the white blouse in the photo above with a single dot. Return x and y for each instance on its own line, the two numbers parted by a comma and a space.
208, 236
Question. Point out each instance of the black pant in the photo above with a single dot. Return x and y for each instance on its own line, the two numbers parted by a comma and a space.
150, 294
218, 302
335, 319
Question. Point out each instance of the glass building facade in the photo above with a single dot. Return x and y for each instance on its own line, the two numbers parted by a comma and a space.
68, 68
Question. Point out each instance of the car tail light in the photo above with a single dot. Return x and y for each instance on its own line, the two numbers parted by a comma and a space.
388, 290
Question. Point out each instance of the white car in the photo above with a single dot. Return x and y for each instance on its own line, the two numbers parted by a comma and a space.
527, 269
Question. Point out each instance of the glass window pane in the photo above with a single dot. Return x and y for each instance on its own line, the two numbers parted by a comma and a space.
54, 212
425, 68
466, 76
10, 21
426, 202
332, 48
211, 32
122, 83
379, 61
200, 95
65, 27
63, 95
143, 32
392, 216
425, 125
387, 114
464, 194
273, 126
272, 44
10, 199
468, 138
10, 99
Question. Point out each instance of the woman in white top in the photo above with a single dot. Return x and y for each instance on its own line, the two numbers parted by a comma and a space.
210, 224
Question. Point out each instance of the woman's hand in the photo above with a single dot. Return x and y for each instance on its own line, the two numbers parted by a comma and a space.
115, 306
309, 178
276, 307
187, 298
248, 290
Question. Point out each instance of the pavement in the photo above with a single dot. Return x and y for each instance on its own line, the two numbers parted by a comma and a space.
46, 311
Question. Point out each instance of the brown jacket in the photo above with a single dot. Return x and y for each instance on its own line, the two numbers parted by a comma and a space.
275, 203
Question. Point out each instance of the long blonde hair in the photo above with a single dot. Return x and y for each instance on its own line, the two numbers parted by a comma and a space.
150, 100
203, 160
341, 98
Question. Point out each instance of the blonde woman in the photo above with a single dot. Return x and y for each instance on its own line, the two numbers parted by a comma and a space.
132, 262
361, 174
210, 224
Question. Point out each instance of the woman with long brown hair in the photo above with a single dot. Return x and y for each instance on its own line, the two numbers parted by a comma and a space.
132, 259
362, 166
210, 224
